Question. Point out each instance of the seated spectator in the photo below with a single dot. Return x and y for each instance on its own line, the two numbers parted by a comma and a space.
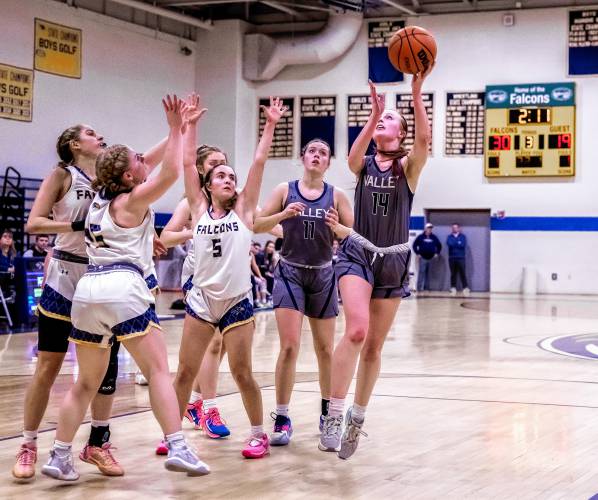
8, 252
40, 249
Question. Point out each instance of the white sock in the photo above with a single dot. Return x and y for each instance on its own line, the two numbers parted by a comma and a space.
257, 430
30, 438
62, 449
337, 407
358, 412
175, 437
195, 396
282, 410
207, 404
100, 423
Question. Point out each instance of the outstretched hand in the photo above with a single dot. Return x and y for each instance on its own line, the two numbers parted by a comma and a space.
332, 221
275, 111
418, 78
174, 108
193, 110
378, 101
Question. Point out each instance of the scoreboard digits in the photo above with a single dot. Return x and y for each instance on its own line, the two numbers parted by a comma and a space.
530, 130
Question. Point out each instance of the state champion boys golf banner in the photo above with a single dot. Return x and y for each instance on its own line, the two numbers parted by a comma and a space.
57, 49
379, 68
16, 93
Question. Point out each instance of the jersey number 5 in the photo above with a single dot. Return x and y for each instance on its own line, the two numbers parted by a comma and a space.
380, 200
93, 236
216, 248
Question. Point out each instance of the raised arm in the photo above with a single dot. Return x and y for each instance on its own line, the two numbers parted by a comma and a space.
176, 232
272, 213
142, 195
422, 136
51, 190
361, 144
248, 198
196, 199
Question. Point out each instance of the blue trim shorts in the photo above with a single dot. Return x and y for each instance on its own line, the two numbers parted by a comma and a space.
224, 314
312, 292
112, 304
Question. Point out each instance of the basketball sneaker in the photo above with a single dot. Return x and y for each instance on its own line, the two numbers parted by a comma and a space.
256, 447
466, 292
162, 449
453, 291
350, 438
140, 378
194, 412
25, 466
181, 458
102, 458
60, 467
330, 438
283, 430
213, 425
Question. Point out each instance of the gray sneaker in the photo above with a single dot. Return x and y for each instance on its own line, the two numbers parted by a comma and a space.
181, 458
331, 433
60, 467
350, 438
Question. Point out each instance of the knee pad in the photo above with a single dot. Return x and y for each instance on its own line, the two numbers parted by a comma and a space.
108, 385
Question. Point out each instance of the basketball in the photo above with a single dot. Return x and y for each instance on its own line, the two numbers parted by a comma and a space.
412, 49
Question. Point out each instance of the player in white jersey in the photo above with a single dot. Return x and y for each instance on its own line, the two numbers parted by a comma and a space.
221, 294
112, 301
61, 206
202, 410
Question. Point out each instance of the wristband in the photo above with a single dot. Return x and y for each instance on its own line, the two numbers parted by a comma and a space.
78, 225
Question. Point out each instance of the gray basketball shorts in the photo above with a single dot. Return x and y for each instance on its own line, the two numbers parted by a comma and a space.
310, 291
388, 274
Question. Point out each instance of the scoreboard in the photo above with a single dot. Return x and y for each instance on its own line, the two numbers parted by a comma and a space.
530, 130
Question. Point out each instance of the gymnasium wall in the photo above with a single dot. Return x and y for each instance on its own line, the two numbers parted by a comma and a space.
126, 69
474, 50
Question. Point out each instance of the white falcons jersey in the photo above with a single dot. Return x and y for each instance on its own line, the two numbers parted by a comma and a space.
108, 243
221, 249
72, 207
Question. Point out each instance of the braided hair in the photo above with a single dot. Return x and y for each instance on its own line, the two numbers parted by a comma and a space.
111, 164
63, 145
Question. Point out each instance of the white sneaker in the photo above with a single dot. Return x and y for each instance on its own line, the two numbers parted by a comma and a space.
466, 292
140, 378
453, 291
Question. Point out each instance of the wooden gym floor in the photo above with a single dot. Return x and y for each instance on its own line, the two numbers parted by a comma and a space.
470, 404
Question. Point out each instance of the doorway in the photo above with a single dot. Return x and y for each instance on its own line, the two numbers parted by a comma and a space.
475, 225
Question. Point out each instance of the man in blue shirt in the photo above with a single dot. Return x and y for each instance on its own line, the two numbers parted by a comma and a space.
426, 246
457, 243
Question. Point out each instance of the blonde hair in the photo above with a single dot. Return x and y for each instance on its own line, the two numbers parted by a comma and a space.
111, 164
202, 154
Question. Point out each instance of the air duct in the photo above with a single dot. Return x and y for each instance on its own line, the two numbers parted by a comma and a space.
264, 57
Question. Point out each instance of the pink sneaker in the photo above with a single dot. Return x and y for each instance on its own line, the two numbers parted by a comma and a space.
162, 449
256, 447
194, 412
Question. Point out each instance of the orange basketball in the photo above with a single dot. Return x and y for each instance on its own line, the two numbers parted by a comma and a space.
412, 49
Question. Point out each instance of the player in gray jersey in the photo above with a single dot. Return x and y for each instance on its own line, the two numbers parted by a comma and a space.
304, 282
372, 284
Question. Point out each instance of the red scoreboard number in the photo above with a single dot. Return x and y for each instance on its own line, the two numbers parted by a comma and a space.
508, 142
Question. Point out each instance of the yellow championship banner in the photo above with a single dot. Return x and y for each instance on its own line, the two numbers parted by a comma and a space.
16, 93
57, 49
